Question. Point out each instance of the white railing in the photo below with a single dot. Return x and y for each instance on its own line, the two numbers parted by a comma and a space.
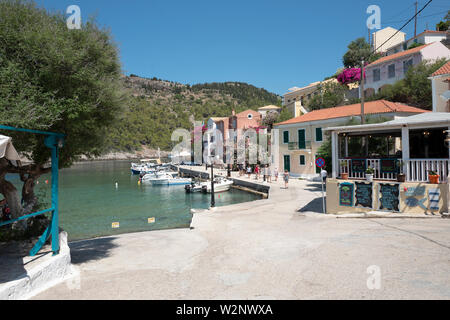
417, 169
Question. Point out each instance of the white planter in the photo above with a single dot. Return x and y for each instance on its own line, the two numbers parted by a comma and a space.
369, 177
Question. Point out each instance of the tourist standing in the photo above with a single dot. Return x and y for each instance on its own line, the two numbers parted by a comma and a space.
276, 174
269, 174
264, 173
249, 171
257, 172
286, 179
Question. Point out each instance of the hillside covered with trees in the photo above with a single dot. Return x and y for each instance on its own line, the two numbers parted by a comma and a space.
157, 107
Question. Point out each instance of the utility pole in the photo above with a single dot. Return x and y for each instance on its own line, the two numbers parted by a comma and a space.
415, 21
362, 91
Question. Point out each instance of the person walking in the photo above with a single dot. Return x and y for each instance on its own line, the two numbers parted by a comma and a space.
286, 179
249, 171
269, 174
257, 172
264, 173
276, 174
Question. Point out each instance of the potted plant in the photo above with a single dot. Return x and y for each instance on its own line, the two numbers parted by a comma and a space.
401, 177
433, 177
369, 174
344, 175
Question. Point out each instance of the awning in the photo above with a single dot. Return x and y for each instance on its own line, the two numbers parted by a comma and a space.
7, 149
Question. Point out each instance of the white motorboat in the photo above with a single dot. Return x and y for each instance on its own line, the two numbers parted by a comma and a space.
195, 187
220, 185
145, 166
169, 178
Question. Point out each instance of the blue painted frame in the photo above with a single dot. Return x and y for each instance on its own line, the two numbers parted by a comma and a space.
53, 141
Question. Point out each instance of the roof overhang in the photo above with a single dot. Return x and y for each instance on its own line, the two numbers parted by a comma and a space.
440, 119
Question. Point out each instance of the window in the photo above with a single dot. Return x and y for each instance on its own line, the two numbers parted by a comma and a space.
391, 71
302, 160
319, 135
250, 116
301, 139
406, 65
285, 136
376, 75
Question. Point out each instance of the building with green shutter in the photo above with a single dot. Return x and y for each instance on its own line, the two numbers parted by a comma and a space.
300, 138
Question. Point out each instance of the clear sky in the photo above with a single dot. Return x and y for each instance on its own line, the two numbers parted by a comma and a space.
276, 44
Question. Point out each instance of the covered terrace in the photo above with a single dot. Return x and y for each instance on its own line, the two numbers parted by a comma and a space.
411, 145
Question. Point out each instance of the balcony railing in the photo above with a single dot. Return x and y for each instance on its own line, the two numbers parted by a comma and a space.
416, 169
297, 146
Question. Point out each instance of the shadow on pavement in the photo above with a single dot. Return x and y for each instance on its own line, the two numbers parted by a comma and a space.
90, 250
12, 265
315, 187
313, 206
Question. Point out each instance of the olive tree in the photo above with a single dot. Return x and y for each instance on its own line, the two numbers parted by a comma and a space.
53, 79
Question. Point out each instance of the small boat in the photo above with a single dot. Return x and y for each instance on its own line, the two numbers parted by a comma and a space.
169, 178
195, 187
145, 166
220, 185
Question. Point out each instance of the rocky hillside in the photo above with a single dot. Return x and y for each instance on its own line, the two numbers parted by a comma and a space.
157, 107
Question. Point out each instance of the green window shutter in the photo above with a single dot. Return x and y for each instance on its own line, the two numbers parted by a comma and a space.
286, 136
302, 160
301, 139
319, 134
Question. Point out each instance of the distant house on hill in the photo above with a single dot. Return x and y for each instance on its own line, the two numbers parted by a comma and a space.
384, 39
390, 69
268, 109
426, 37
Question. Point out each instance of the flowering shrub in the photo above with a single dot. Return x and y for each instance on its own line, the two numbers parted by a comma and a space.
350, 75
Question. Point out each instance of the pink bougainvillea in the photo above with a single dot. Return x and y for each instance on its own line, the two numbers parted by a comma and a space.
350, 75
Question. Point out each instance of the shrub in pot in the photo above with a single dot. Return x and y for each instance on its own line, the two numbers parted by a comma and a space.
369, 174
433, 177
401, 177
344, 175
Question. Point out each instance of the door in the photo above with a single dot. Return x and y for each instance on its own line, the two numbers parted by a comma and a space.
301, 139
287, 163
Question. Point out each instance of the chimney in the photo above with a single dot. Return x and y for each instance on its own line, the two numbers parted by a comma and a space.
233, 113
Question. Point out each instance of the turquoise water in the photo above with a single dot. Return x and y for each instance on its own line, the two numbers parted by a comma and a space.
90, 202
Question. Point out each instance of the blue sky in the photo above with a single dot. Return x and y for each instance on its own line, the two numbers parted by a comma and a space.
273, 44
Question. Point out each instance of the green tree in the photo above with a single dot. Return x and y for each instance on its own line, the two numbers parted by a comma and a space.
329, 95
444, 25
357, 50
54, 79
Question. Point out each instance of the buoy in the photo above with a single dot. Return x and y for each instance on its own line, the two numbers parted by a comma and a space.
46, 181
117, 185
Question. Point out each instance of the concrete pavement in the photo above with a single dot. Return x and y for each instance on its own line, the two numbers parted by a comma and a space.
279, 248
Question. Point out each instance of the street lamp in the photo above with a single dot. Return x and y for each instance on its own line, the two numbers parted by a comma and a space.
213, 201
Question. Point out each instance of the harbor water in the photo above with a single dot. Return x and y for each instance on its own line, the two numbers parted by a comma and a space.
95, 195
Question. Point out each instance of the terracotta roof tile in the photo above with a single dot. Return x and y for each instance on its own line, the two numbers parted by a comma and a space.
398, 55
370, 107
445, 69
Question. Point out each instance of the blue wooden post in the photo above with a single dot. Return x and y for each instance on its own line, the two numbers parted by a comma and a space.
55, 216
52, 143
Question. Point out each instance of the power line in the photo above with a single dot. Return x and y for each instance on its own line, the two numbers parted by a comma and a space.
430, 15
402, 27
